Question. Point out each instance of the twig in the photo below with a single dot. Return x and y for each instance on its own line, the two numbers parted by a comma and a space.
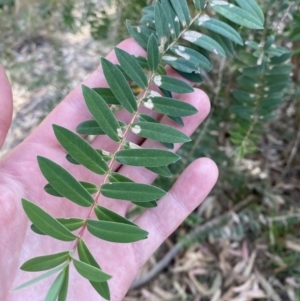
280, 25
161, 265
293, 152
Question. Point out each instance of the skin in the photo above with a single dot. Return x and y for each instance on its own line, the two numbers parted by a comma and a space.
20, 177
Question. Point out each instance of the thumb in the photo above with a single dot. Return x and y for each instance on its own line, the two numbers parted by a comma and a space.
6, 105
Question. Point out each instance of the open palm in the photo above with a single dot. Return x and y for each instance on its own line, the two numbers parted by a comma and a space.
20, 177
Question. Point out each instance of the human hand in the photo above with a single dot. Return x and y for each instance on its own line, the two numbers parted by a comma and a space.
20, 177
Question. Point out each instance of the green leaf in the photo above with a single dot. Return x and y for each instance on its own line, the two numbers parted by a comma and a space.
41, 277
119, 85
172, 84
64, 288
80, 150
179, 64
107, 95
86, 256
116, 177
252, 7
236, 14
182, 10
46, 223
146, 157
64, 183
161, 170
91, 188
153, 53
151, 204
178, 120
102, 113
172, 107
193, 57
159, 132
55, 287
44, 263
161, 26
104, 214
204, 42
225, 43
90, 272
131, 66
193, 77
219, 27
116, 232
89, 127
174, 27
134, 192
139, 33
71, 224
199, 4
72, 160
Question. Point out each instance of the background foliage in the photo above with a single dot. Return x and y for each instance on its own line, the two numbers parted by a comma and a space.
249, 225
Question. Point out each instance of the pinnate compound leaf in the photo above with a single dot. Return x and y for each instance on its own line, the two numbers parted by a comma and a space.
46, 223
219, 27
153, 53
64, 183
132, 68
41, 277
55, 287
80, 150
86, 256
236, 14
159, 132
146, 157
102, 113
118, 83
182, 10
43, 263
107, 95
64, 288
116, 232
134, 192
90, 272
172, 84
204, 42
103, 214
173, 107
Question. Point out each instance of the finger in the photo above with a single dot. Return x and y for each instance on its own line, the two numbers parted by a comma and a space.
189, 191
142, 175
6, 104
